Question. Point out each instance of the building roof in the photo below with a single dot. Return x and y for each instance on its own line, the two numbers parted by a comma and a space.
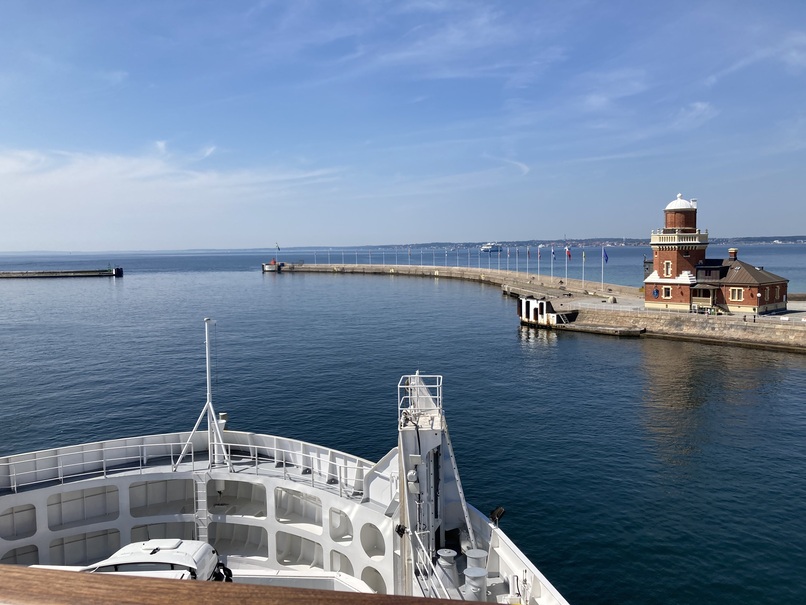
681, 204
736, 272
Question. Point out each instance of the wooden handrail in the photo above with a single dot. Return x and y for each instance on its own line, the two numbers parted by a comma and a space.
30, 586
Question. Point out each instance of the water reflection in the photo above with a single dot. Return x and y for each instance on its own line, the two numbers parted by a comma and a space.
696, 395
532, 338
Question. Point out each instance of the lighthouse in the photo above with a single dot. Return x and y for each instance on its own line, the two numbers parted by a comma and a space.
683, 279
677, 249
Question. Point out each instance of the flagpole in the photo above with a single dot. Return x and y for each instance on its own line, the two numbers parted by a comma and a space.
583, 267
552, 264
527, 260
603, 253
567, 254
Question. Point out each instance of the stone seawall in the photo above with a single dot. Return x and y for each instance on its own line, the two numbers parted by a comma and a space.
766, 332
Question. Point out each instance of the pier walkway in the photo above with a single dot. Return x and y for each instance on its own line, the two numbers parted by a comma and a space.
511, 282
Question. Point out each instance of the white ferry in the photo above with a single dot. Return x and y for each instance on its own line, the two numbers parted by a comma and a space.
491, 247
263, 509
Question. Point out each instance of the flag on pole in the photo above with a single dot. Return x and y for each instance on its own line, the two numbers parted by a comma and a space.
553, 257
528, 252
568, 252
539, 255
277, 245
583, 256
604, 254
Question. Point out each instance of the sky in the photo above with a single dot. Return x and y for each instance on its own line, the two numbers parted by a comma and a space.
172, 124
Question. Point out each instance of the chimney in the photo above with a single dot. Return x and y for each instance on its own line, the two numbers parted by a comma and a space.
693, 202
733, 253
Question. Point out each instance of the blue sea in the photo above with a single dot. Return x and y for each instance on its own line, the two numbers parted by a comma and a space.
632, 471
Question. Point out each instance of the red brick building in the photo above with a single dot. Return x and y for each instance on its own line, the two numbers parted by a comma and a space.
684, 279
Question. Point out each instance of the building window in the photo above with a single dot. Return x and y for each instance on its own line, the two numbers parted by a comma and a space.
667, 291
767, 294
667, 268
777, 293
707, 273
737, 294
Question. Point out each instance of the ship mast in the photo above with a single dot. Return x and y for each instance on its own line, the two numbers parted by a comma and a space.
215, 438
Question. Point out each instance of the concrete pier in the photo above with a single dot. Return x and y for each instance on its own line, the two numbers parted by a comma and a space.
111, 272
511, 282
612, 309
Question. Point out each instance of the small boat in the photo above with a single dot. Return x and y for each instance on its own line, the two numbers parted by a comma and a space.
273, 266
491, 247
264, 509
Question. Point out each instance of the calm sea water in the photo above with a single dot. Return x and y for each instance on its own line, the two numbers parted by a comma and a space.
632, 471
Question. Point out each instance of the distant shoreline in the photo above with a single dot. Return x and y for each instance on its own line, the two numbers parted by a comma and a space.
792, 240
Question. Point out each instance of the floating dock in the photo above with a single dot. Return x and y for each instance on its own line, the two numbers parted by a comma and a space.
110, 272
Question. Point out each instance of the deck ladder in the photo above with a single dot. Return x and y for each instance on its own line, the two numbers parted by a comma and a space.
202, 516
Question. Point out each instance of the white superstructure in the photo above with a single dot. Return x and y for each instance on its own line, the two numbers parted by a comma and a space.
277, 511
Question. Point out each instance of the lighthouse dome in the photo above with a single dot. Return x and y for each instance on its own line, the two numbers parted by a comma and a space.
681, 204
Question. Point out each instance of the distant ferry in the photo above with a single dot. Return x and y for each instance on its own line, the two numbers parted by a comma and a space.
491, 247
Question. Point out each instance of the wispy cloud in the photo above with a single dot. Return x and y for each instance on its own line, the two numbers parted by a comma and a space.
523, 168
789, 52
693, 115
117, 177
604, 89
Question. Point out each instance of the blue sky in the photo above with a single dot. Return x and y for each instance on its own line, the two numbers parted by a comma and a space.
191, 124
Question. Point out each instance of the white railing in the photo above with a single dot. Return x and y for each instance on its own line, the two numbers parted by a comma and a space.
77, 462
417, 395
426, 571
320, 467
317, 469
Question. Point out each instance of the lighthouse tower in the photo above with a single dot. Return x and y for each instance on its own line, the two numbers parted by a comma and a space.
677, 249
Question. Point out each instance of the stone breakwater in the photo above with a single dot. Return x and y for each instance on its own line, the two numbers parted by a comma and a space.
513, 282
773, 332
610, 306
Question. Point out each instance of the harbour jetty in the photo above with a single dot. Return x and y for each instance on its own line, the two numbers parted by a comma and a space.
109, 272
609, 308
